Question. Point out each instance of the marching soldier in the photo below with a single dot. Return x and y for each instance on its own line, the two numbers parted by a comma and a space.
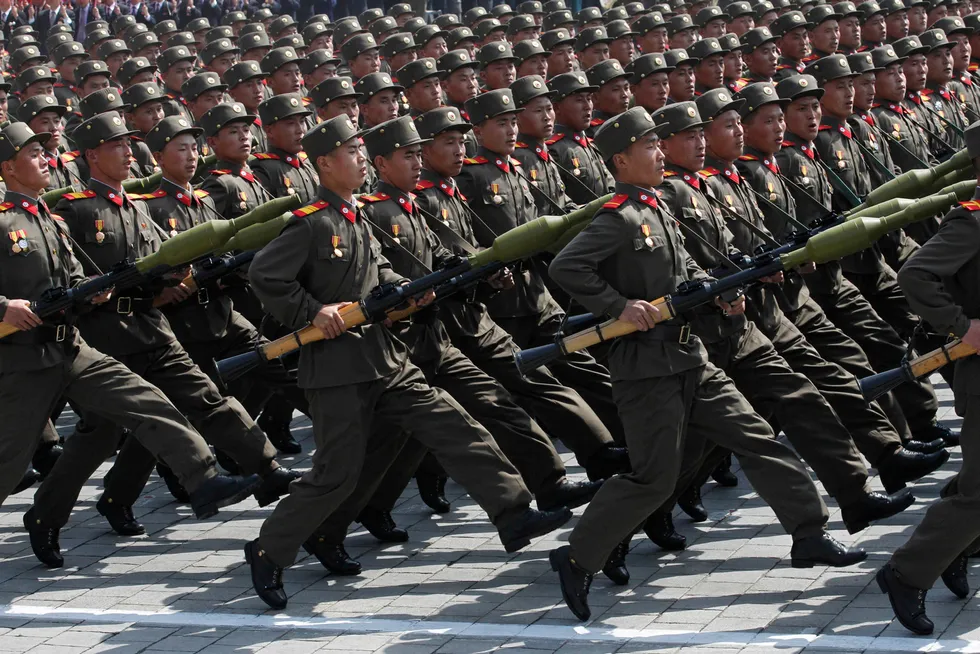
612, 95
145, 111
824, 31
459, 79
378, 98
334, 97
793, 41
67, 58
667, 363
964, 84
423, 90
285, 169
246, 85
231, 184
559, 44
363, 384
535, 126
135, 71
43, 115
680, 79
176, 67
761, 55
937, 97
649, 81
915, 66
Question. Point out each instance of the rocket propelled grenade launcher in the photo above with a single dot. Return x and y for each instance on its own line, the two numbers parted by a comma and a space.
518, 243
913, 183
875, 386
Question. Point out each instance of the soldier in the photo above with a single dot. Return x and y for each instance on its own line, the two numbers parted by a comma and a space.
560, 46
281, 66
937, 97
378, 98
612, 95
67, 58
850, 27
680, 79
201, 93
333, 97
591, 46
522, 27
231, 183
649, 81
733, 61
460, 81
915, 67
422, 87
918, 16
709, 66
43, 115
318, 66
621, 46
148, 45
761, 55
940, 281
872, 25
398, 50
370, 381
581, 168
896, 20
246, 83
664, 362
254, 46
176, 67
741, 18
114, 52
490, 31
963, 83
711, 22
285, 169
362, 55
535, 126
135, 71
462, 38
47, 358
824, 32
532, 58
145, 111
111, 229
793, 40
93, 104
498, 66
219, 55
681, 31
431, 40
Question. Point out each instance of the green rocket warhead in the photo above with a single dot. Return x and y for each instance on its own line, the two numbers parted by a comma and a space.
883, 208
267, 211
951, 178
51, 198
198, 241
535, 236
964, 190
255, 237
913, 183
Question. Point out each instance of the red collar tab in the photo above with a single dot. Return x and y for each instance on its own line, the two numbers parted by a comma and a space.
649, 199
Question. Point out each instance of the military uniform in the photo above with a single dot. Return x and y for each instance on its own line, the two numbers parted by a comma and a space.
632, 249
580, 165
40, 365
361, 383
234, 188
110, 228
535, 160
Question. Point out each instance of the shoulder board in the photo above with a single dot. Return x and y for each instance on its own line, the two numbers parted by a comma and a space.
58, 218
303, 156
709, 171
669, 173
554, 139
6, 205
616, 202
220, 171
515, 161
201, 194
597, 121
265, 155
375, 197
141, 196
748, 157
521, 144
972, 205
159, 193
59, 85
70, 156
475, 160
424, 184
310, 208
79, 196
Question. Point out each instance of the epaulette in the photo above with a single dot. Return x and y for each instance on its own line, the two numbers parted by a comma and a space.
669, 173
311, 208
424, 184
971, 205
974, 66
220, 171
748, 157
59, 85
521, 144
159, 193
307, 101
265, 155
201, 194
140, 196
68, 157
475, 160
554, 139
6, 205
58, 218
375, 197
515, 162
597, 121
302, 155
79, 196
616, 202
709, 171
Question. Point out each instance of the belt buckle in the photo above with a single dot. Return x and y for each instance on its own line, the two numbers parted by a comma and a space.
202, 296
61, 333
126, 302
685, 335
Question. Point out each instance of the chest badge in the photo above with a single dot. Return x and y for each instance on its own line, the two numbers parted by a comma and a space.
173, 226
646, 233
335, 242
772, 191
577, 170
445, 217
20, 242
289, 185
840, 159
244, 197
99, 234
497, 199
396, 230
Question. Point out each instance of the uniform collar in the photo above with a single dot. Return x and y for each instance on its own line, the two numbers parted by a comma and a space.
241, 170
691, 178
294, 160
792, 140
836, 124
725, 168
177, 191
445, 184
346, 209
29, 204
54, 159
539, 147
404, 200
502, 161
118, 198
642, 195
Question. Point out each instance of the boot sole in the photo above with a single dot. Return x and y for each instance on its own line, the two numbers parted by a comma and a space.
211, 510
899, 482
330, 569
809, 563
880, 578
855, 527
524, 540
554, 566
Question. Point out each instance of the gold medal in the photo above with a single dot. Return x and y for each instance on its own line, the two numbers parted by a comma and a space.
577, 172
24, 245
335, 241
772, 197
497, 199
445, 217
337, 253
646, 232
729, 200
99, 237
649, 242
841, 164
242, 205
395, 229
16, 248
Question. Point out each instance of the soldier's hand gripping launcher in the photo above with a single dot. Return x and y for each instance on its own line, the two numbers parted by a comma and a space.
522, 241
175, 252
875, 386
820, 245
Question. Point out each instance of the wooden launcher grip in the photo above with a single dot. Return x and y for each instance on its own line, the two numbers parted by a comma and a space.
612, 329
353, 315
932, 361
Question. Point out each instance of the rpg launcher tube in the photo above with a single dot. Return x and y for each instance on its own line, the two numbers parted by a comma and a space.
255, 237
913, 183
267, 211
964, 190
875, 386
883, 208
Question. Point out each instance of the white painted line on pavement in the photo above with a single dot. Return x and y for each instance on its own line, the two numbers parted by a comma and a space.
675, 637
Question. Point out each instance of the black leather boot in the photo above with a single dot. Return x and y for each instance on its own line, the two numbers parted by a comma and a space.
608, 461
903, 466
266, 576
221, 491
659, 528
723, 474
690, 503
615, 568
276, 428
30, 478
45, 456
567, 493
574, 581
120, 517
517, 530
824, 550
432, 490
173, 484
44, 541
381, 525
874, 506
333, 557
908, 603
275, 485
955, 577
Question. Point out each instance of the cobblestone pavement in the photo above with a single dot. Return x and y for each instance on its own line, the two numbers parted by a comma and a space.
184, 586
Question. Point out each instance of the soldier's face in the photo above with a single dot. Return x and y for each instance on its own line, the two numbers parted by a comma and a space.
341, 106
710, 72
685, 149
403, 58
915, 68
917, 19
897, 25
642, 163
177, 74
733, 64
381, 107
714, 28
223, 63
873, 29
498, 134
94, 83
935, 14
205, 102
683, 39
538, 118
826, 36
613, 97
654, 41
48, 121
593, 55
444, 155
850, 31
741, 25
425, 94
651, 92
111, 159
575, 110
288, 79
462, 85
344, 169
795, 44
940, 64
764, 129
249, 93
402, 168
39, 88
536, 65
287, 134
961, 51
146, 116
499, 74
67, 68
115, 61
838, 97
864, 91
233, 143
435, 48
29, 168
561, 60
622, 50
890, 83
762, 60
681, 81
139, 78
803, 118
178, 161
366, 63
724, 137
